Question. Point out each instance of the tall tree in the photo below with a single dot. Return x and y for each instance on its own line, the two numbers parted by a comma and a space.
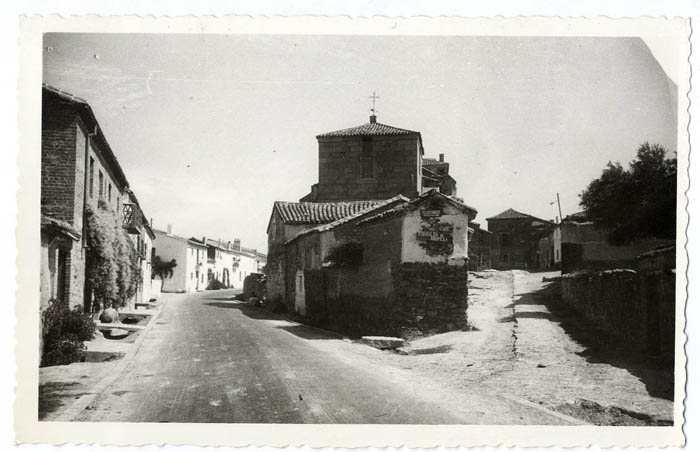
638, 202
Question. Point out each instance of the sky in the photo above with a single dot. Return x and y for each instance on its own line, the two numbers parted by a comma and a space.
212, 129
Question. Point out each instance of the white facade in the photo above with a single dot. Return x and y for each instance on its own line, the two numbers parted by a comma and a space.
189, 274
230, 263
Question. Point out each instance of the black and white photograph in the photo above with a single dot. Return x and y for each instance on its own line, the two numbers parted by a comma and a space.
405, 229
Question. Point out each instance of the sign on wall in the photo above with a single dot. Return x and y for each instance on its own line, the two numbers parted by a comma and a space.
436, 237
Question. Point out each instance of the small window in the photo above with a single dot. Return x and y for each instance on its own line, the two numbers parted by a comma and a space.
505, 258
101, 181
109, 193
92, 177
367, 159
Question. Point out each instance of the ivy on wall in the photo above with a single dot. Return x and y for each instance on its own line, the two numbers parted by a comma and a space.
113, 271
348, 254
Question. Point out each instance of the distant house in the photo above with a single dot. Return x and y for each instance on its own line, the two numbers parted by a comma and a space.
550, 250
190, 255
515, 239
436, 174
479, 247
585, 246
230, 263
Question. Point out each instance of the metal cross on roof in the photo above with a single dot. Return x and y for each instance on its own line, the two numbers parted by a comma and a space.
374, 98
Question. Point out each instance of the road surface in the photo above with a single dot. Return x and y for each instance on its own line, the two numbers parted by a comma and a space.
211, 359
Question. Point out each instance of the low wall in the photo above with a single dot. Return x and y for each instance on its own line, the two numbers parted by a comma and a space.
401, 300
635, 306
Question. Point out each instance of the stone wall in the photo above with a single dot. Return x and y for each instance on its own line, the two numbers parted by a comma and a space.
636, 307
400, 300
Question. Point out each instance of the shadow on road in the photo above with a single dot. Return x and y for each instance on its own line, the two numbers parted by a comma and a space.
306, 332
599, 348
248, 311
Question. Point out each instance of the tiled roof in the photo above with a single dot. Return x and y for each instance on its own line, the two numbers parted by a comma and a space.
427, 161
319, 212
511, 214
415, 202
368, 129
331, 225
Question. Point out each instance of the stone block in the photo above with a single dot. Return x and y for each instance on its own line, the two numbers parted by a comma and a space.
383, 342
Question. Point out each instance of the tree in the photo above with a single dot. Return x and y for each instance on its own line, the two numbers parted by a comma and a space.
636, 203
162, 269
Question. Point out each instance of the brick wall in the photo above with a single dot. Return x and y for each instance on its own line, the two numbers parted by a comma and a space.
396, 168
58, 165
636, 307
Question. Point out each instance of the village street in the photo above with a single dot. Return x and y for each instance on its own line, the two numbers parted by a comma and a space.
211, 359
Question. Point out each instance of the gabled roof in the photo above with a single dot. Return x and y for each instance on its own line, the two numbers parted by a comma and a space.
318, 212
369, 128
328, 226
512, 214
415, 202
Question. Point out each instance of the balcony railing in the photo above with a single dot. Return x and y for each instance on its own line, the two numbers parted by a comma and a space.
132, 218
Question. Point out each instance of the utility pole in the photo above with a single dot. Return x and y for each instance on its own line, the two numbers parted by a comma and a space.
559, 205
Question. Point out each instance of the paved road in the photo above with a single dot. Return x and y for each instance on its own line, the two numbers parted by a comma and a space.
210, 359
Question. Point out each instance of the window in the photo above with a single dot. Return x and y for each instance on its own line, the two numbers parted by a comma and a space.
505, 258
557, 252
367, 159
109, 193
101, 181
92, 177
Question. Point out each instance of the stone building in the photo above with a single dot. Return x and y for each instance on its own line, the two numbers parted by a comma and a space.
375, 161
396, 267
585, 247
290, 218
79, 171
479, 247
550, 250
515, 239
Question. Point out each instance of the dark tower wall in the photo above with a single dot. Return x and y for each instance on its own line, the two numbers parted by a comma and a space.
368, 167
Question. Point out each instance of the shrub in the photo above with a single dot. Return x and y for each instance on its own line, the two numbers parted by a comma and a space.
215, 284
63, 333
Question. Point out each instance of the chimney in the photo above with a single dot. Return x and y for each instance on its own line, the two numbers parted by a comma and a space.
442, 157
204, 239
228, 245
237, 244
373, 119
170, 229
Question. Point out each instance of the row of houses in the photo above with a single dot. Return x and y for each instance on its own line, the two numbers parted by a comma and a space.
202, 263
82, 178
